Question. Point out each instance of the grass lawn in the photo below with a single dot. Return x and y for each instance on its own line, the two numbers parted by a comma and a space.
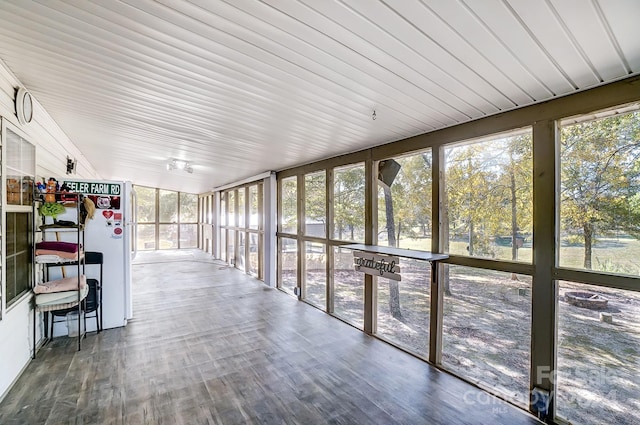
614, 255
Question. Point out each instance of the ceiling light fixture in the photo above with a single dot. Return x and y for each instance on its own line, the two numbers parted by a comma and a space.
177, 164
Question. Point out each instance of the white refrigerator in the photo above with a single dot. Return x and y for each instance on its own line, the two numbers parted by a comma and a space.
111, 232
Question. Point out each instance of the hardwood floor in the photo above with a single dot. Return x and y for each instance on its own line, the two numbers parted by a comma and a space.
209, 345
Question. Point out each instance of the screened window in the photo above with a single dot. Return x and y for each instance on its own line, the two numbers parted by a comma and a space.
241, 263
486, 331
146, 236
18, 255
146, 204
231, 208
188, 208
168, 206
404, 201
315, 205
223, 209
600, 194
254, 209
289, 205
241, 208
168, 236
188, 220
230, 227
254, 253
404, 221
146, 212
315, 277
223, 245
21, 169
188, 235
348, 203
231, 246
348, 288
243, 241
19, 157
403, 307
598, 358
597, 326
489, 201
288, 277
166, 219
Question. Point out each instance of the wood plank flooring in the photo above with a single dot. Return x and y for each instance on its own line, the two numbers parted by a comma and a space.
209, 345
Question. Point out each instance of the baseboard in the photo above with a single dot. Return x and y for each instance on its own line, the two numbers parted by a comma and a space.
2, 397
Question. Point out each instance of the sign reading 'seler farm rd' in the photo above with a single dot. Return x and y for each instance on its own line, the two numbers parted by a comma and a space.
377, 265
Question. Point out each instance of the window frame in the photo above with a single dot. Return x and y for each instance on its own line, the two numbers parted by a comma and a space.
178, 222
5, 304
235, 231
29, 265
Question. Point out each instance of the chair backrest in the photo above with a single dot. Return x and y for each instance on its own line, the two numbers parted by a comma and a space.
91, 257
93, 299
92, 302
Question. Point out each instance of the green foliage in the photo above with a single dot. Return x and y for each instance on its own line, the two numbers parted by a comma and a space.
231, 208
489, 192
253, 206
609, 266
289, 202
146, 209
51, 209
411, 197
574, 239
146, 204
188, 208
315, 197
241, 207
168, 206
482, 246
348, 205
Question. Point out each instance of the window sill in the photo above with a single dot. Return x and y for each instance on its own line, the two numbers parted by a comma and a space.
26, 295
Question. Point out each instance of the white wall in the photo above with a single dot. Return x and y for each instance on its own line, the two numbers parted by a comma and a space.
52, 149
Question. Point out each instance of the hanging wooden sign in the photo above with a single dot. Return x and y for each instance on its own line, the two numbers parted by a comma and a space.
377, 265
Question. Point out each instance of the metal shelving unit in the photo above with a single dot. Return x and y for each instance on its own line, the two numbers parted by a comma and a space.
42, 269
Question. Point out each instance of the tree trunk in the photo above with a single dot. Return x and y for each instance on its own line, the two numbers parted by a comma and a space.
514, 221
394, 290
470, 247
445, 242
588, 242
352, 227
391, 226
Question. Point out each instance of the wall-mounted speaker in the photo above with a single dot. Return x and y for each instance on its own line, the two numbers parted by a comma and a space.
387, 171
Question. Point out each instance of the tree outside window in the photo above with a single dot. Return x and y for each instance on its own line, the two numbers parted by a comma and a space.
600, 194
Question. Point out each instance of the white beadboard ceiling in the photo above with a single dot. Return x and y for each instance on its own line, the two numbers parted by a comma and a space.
239, 87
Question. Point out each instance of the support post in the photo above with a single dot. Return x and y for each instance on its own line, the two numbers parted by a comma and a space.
544, 287
270, 229
436, 300
370, 238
